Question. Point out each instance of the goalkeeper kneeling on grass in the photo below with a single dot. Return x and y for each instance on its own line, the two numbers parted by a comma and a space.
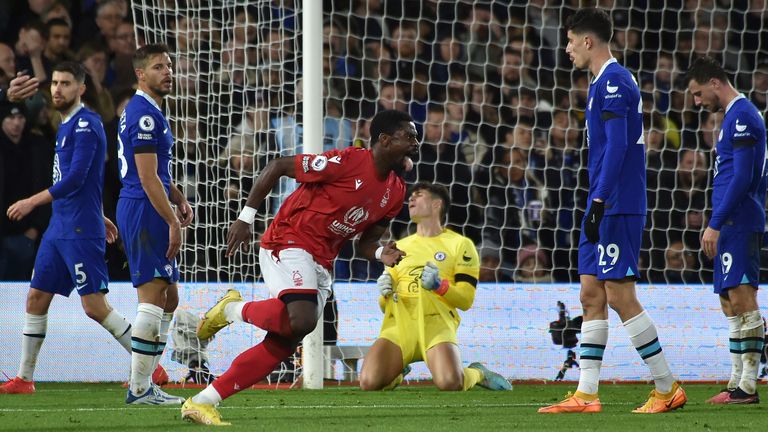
420, 297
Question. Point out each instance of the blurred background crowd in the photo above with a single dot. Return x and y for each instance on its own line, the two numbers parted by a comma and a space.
495, 98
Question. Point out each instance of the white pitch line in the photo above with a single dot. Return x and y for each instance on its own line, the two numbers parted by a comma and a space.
288, 407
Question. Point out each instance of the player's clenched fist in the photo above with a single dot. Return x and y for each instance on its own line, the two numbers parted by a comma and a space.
391, 255
239, 233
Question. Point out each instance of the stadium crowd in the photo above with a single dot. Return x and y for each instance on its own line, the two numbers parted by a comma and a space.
493, 93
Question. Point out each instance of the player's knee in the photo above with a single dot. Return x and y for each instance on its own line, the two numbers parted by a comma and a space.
449, 382
592, 302
368, 382
96, 313
36, 303
302, 325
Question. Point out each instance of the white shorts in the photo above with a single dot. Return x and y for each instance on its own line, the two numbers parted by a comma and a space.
294, 272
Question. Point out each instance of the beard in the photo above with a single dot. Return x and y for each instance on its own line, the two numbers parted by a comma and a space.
161, 91
64, 105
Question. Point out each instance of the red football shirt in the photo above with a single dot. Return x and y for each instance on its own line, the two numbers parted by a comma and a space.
338, 197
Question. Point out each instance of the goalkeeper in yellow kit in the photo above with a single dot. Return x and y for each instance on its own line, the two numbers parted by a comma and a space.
420, 297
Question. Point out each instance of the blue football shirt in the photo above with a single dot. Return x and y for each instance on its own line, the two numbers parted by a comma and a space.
739, 187
78, 177
143, 129
614, 120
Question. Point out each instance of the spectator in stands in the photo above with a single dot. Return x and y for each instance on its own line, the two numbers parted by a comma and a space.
391, 97
7, 65
505, 198
450, 55
681, 200
94, 58
407, 52
532, 265
29, 49
250, 143
661, 79
109, 15
552, 174
122, 45
26, 162
337, 129
512, 75
58, 36
485, 41
759, 93
57, 11
442, 161
659, 156
709, 130
481, 122
680, 264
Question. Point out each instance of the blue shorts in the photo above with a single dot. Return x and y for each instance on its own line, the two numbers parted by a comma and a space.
616, 254
738, 259
63, 265
145, 236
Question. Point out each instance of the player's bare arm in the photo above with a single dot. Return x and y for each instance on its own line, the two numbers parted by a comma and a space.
369, 243
20, 209
240, 232
111, 230
146, 165
183, 209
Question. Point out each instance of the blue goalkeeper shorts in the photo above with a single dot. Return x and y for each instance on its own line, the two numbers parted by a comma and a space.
64, 265
738, 259
616, 254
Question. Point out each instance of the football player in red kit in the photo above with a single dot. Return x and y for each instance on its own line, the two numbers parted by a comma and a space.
341, 193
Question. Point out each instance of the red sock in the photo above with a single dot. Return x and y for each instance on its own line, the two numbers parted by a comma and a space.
252, 365
270, 315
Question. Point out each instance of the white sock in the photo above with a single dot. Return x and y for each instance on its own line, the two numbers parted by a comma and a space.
594, 337
144, 339
35, 327
119, 327
209, 396
643, 335
752, 339
165, 325
234, 311
734, 343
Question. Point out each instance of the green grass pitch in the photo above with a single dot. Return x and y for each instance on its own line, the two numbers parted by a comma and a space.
101, 407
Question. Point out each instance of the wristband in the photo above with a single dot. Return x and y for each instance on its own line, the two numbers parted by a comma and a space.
247, 215
378, 252
443, 288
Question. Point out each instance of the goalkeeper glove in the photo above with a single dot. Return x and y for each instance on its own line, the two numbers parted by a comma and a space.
592, 221
430, 279
384, 283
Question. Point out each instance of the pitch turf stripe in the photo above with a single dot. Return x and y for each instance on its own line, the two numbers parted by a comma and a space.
291, 407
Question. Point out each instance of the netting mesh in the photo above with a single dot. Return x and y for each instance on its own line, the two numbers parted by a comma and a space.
498, 103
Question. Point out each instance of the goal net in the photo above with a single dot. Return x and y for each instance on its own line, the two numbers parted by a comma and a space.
500, 109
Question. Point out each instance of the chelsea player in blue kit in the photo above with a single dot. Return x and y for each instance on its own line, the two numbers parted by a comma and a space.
150, 227
71, 254
612, 229
734, 234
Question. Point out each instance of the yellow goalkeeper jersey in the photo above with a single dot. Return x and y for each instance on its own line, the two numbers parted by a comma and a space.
458, 261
